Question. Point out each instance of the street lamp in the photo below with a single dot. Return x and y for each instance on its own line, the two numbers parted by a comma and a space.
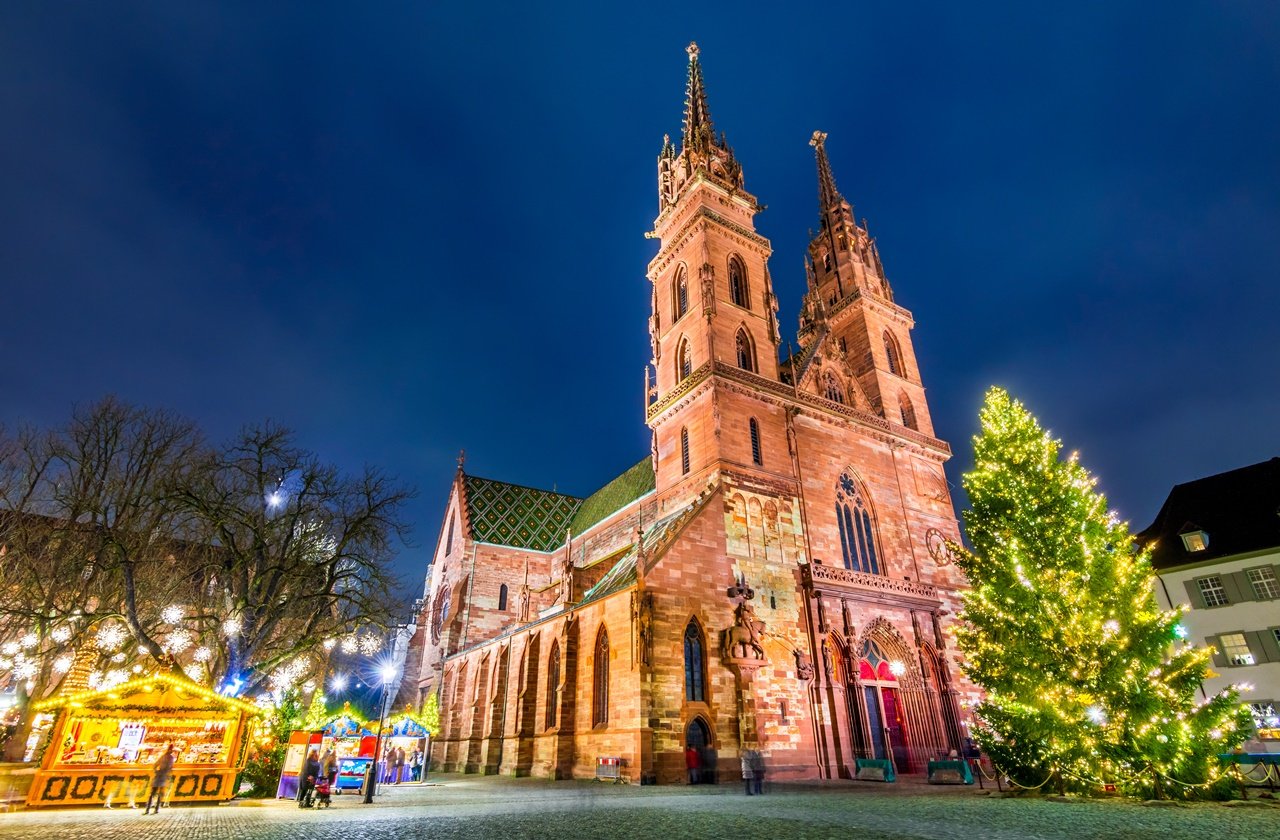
387, 673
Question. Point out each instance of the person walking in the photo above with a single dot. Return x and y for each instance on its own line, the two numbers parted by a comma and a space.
748, 770
415, 765
399, 765
163, 771
307, 779
757, 772
692, 763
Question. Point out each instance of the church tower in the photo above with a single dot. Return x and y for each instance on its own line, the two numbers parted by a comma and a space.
849, 318
713, 302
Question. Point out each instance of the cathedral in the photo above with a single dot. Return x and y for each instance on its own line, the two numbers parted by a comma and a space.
773, 575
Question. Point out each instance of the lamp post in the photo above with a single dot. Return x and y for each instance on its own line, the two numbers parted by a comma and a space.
387, 673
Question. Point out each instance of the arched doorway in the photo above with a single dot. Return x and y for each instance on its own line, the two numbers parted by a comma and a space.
698, 736
886, 715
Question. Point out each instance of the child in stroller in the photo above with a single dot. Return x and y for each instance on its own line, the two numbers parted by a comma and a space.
323, 792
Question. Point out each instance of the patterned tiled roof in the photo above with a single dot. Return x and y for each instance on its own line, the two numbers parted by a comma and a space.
614, 496
508, 514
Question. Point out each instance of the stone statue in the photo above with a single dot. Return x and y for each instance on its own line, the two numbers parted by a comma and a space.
804, 665
742, 639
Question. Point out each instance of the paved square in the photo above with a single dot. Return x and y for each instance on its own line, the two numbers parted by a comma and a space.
473, 807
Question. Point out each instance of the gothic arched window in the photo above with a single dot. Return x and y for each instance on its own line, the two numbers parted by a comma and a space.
694, 681
857, 538
502, 597
739, 293
600, 683
684, 362
684, 450
893, 356
553, 684
908, 412
755, 443
441, 612
680, 294
448, 543
832, 389
746, 353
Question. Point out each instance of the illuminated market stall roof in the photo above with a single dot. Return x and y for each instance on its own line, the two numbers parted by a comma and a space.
171, 693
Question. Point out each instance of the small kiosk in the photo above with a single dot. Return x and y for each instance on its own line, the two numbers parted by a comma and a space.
352, 743
405, 731
105, 742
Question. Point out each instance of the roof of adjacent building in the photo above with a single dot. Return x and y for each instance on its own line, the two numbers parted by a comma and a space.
1239, 510
525, 517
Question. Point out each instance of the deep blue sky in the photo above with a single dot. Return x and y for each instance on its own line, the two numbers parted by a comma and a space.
404, 229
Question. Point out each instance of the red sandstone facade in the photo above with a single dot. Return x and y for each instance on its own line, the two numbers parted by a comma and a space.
774, 576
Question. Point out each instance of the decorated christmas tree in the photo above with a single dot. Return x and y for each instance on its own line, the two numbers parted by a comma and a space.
1088, 681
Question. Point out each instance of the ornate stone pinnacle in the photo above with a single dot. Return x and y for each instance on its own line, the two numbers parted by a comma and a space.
818, 138
692, 50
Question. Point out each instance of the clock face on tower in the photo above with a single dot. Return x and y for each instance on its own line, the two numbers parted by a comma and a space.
938, 548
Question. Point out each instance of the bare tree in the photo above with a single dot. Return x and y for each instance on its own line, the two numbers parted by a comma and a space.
299, 555
87, 524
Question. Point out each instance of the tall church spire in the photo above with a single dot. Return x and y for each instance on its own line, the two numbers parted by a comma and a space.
828, 196
699, 135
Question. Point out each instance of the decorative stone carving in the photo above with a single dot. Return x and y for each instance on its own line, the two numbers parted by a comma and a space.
804, 665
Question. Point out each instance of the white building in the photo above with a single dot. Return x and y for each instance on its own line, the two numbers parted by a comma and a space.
1216, 549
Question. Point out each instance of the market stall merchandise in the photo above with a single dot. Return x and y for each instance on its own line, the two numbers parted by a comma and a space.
104, 743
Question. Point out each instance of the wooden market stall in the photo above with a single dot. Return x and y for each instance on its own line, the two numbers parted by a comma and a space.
105, 742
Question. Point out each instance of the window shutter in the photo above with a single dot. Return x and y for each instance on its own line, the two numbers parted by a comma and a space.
1238, 587
1256, 646
1269, 645
1219, 659
1193, 592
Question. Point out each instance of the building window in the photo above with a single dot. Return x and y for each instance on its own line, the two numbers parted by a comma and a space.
502, 597
448, 543
684, 451
680, 294
755, 443
844, 346
1194, 541
600, 683
694, 685
553, 684
684, 364
908, 412
738, 291
1265, 720
1275, 634
832, 389
1236, 649
441, 612
1212, 591
857, 537
893, 356
746, 354
1264, 583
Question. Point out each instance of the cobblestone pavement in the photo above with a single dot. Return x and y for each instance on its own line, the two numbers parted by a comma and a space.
471, 807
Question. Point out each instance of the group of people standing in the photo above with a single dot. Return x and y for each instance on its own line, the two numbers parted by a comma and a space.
395, 761
314, 769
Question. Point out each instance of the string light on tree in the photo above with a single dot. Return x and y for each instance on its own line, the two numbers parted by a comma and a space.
1084, 677
202, 654
173, 614
61, 634
231, 626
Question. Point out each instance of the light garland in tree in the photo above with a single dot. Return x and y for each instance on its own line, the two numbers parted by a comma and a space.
1086, 678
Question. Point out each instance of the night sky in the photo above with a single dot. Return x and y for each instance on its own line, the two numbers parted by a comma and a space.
404, 230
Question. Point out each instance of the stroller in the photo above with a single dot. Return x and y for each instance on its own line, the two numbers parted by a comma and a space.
323, 791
